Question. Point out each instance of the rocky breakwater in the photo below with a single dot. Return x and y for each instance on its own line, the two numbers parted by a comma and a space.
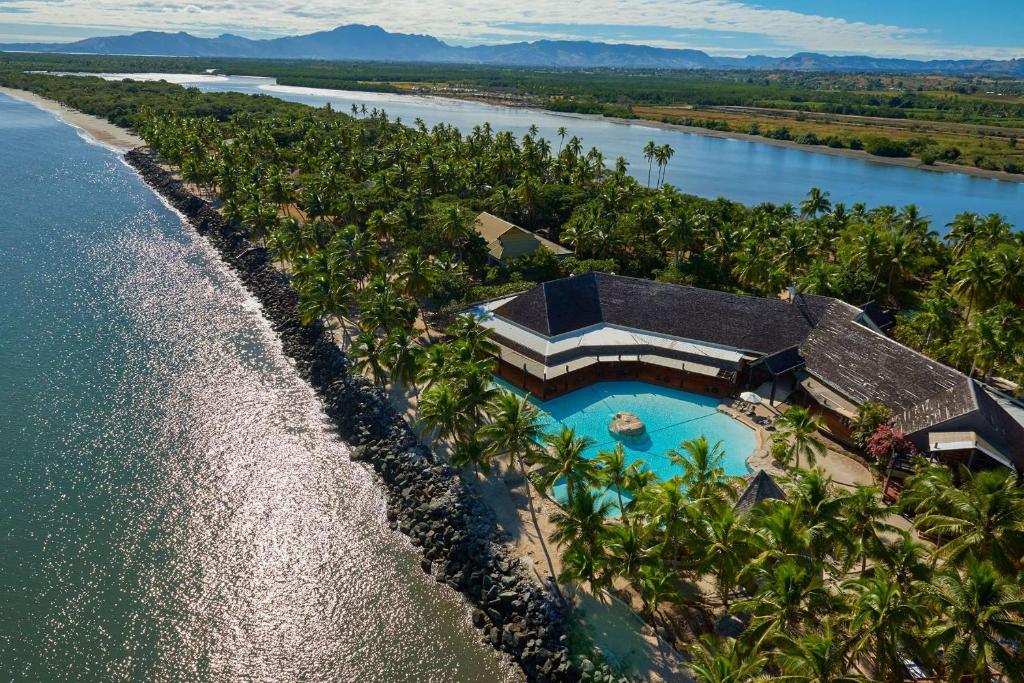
426, 499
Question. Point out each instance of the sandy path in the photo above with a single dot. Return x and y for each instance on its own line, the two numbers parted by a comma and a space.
100, 130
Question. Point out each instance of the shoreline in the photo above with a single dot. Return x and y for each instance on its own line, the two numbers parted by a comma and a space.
97, 130
903, 162
122, 140
426, 499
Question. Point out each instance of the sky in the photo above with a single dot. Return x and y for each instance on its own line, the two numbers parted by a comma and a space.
919, 29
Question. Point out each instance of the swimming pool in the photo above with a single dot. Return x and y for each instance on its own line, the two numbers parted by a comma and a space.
671, 417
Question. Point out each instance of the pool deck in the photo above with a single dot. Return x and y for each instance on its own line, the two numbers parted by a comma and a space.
613, 626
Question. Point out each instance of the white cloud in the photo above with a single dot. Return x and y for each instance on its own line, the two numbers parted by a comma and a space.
467, 21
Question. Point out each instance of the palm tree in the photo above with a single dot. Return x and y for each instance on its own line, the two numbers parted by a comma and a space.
515, 430
564, 460
440, 410
657, 585
562, 132
885, 623
790, 595
816, 203
416, 276
975, 276
402, 356
904, 559
663, 155
725, 660
368, 350
981, 613
614, 473
471, 452
817, 657
630, 547
724, 547
703, 476
675, 236
475, 336
984, 518
797, 427
864, 521
650, 149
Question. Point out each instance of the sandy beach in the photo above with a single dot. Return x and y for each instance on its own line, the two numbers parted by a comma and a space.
100, 130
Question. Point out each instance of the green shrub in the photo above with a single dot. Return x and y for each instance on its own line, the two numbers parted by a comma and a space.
885, 147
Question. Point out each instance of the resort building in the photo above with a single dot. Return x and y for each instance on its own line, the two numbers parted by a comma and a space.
508, 241
565, 334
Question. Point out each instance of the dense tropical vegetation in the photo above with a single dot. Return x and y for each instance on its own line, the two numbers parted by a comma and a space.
974, 121
373, 219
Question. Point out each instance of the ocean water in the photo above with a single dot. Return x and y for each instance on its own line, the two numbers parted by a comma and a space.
173, 505
748, 172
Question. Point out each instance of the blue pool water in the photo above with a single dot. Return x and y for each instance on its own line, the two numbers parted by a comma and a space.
671, 417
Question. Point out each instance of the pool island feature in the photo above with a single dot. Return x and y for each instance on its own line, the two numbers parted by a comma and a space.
670, 417
625, 424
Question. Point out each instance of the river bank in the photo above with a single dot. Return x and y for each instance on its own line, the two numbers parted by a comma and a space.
427, 500
97, 129
861, 155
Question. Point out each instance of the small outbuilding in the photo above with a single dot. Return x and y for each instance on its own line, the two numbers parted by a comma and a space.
508, 241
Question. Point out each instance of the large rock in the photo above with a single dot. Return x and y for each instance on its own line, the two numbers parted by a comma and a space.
626, 424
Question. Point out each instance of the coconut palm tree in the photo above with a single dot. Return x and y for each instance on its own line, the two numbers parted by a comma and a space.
975, 276
815, 657
657, 585
475, 336
885, 623
790, 595
816, 203
983, 518
440, 410
650, 150
725, 660
703, 475
613, 473
663, 155
797, 427
981, 615
416, 276
368, 351
563, 459
723, 547
471, 452
515, 429
864, 521
402, 355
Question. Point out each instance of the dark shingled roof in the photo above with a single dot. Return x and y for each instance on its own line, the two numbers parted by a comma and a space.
977, 411
864, 365
761, 487
747, 323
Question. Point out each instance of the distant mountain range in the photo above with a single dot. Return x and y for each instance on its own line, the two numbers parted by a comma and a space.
372, 43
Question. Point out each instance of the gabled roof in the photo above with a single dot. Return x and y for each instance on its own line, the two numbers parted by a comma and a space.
494, 230
747, 323
864, 365
971, 406
761, 487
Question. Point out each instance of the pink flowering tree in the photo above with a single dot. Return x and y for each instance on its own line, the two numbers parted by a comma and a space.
885, 445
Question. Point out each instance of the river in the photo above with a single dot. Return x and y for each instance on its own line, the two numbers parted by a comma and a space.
748, 172
173, 504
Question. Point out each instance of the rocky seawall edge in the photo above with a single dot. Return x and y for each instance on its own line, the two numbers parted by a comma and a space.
426, 499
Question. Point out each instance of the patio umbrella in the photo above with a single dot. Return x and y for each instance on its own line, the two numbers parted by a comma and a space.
750, 397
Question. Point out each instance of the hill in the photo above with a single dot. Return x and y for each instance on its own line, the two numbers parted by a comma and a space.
372, 43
